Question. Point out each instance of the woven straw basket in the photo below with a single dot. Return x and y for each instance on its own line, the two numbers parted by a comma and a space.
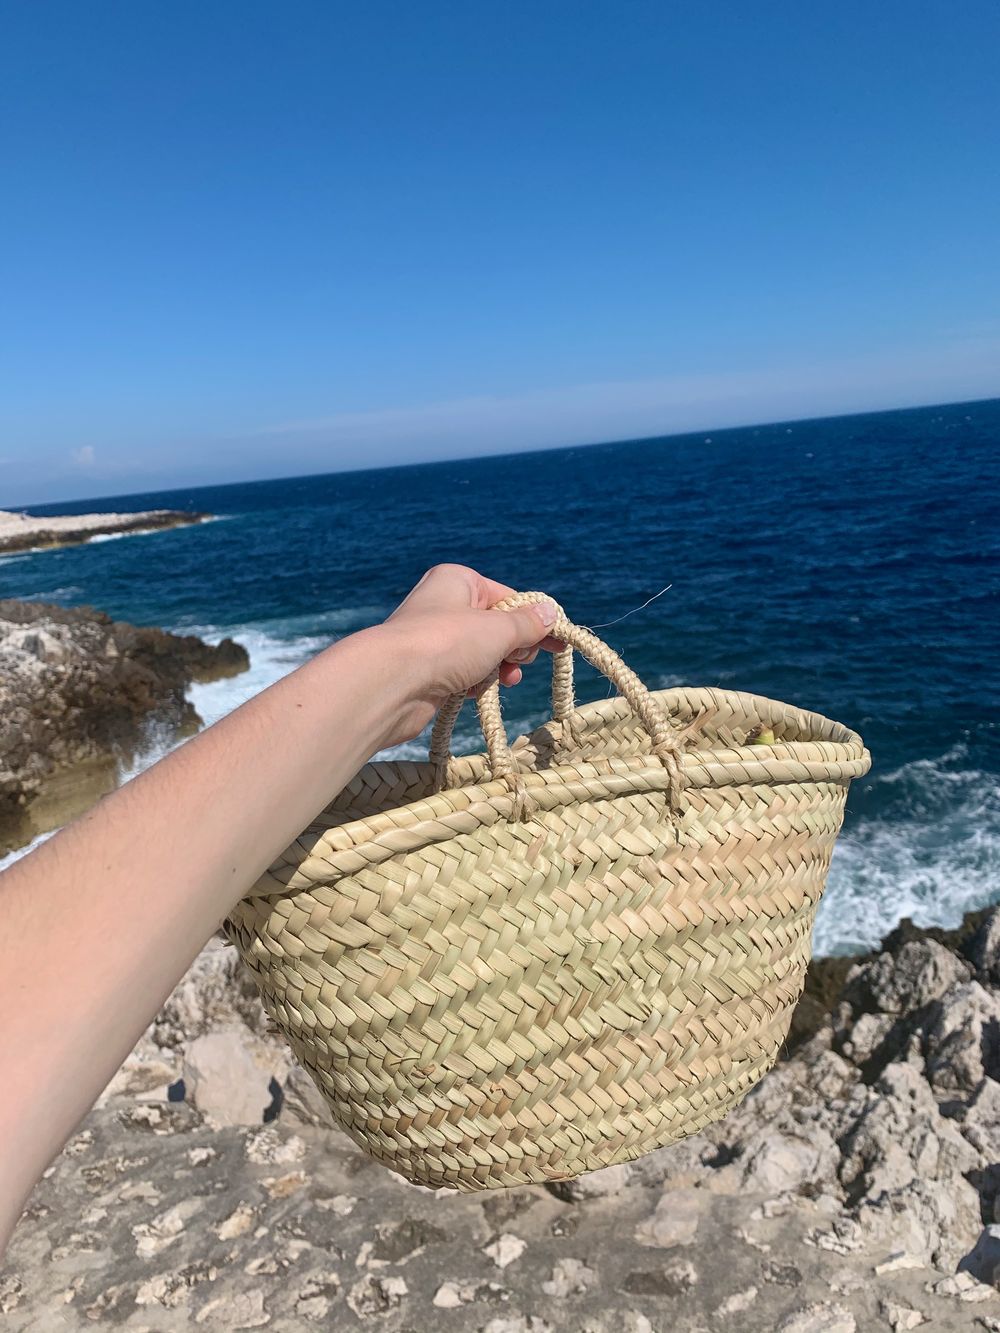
560, 955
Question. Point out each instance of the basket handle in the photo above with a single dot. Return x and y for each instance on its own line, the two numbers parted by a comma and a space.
666, 743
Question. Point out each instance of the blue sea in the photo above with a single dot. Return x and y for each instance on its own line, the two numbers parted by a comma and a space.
848, 565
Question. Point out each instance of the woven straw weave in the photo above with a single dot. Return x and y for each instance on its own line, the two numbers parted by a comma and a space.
524, 965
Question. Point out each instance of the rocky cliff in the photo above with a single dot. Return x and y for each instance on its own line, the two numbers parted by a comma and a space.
78, 693
855, 1189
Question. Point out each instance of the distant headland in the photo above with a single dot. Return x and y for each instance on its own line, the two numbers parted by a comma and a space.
30, 532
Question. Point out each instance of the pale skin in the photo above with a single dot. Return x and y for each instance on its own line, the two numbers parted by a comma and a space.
101, 922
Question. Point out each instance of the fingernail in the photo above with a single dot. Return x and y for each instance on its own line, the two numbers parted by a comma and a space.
547, 612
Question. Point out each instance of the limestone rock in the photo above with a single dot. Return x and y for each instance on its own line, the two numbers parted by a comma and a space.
569, 1277
775, 1163
79, 693
230, 1079
241, 1310
984, 950
901, 1136
736, 1304
820, 1318
901, 1318
919, 973
505, 1249
964, 1287
675, 1221
962, 1042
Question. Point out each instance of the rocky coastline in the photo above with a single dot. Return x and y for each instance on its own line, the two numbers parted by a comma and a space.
856, 1188
32, 532
80, 694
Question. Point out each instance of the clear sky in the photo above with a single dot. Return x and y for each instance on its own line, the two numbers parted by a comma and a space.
257, 239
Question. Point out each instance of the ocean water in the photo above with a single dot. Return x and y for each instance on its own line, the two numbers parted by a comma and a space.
848, 565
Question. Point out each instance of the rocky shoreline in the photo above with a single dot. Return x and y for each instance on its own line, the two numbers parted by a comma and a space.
80, 694
31, 532
855, 1189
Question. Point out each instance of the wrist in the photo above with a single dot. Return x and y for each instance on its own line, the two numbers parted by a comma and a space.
392, 675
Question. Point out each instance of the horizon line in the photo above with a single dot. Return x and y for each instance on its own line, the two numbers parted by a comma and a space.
525, 449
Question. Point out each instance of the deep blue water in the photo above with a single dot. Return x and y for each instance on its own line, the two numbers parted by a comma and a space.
849, 565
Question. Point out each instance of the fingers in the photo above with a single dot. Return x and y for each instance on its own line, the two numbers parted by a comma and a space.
527, 626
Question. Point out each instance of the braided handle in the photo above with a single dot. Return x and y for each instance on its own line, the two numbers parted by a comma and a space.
665, 742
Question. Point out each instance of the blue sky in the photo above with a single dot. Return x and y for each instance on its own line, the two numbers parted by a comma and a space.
257, 239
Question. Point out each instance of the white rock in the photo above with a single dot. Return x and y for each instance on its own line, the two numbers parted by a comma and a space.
37, 643
637, 1323
821, 1318
448, 1296
777, 1163
736, 1303
228, 1077
962, 1285
675, 1221
152, 1237
900, 1259
569, 1278
236, 1310
505, 1249
959, 1037
901, 1317
267, 1147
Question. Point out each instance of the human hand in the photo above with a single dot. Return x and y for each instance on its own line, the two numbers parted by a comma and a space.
451, 641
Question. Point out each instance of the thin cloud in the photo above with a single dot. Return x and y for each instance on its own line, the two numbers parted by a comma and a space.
84, 456
623, 409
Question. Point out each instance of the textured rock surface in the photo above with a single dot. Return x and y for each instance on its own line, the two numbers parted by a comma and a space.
25, 532
854, 1189
79, 691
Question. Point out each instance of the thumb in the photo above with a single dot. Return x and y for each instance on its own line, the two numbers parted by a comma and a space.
528, 625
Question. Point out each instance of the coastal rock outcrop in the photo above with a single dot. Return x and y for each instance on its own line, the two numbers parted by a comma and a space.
80, 691
29, 532
855, 1188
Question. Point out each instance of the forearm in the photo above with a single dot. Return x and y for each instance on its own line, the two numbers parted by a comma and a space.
100, 922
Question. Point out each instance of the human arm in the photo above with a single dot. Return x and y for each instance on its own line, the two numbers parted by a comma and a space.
99, 923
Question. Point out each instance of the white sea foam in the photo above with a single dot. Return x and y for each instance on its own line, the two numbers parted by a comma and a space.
940, 861
16, 855
145, 532
271, 659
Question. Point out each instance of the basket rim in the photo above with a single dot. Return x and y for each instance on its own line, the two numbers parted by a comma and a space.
324, 853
